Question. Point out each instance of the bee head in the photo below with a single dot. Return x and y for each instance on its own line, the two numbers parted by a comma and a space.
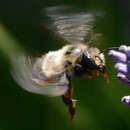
94, 60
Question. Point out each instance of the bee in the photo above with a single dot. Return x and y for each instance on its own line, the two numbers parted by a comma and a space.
51, 74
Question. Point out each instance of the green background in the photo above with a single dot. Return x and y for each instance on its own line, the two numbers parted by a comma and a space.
98, 106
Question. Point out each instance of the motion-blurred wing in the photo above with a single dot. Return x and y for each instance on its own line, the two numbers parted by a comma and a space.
31, 78
72, 24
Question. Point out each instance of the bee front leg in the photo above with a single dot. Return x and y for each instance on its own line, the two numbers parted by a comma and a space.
71, 103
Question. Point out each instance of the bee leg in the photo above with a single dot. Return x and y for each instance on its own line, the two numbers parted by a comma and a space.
106, 77
97, 73
71, 103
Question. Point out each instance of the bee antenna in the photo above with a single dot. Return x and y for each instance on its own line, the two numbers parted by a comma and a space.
111, 48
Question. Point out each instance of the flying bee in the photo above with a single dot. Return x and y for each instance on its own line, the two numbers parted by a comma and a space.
51, 74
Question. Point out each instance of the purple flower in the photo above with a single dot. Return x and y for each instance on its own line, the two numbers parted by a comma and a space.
122, 66
126, 100
122, 63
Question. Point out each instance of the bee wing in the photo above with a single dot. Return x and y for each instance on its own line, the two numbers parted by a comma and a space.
71, 24
32, 80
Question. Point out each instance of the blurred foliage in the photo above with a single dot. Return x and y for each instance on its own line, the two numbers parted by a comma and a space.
98, 106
